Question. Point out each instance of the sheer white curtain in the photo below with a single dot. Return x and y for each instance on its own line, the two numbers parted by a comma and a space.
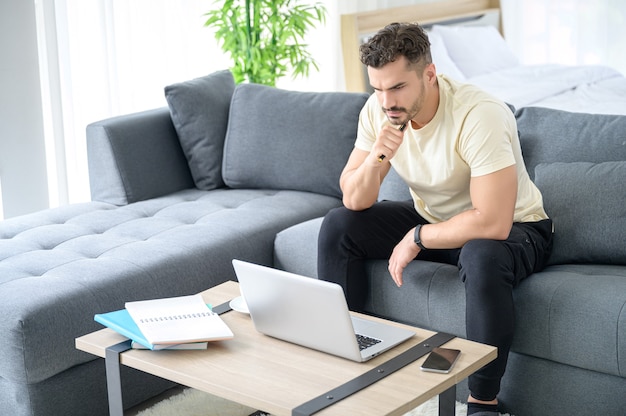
573, 32
103, 58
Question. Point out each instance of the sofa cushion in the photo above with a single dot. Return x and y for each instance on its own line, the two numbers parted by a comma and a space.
574, 314
548, 135
394, 188
280, 139
77, 260
586, 202
295, 248
199, 110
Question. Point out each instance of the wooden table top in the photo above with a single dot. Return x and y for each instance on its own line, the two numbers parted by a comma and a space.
275, 376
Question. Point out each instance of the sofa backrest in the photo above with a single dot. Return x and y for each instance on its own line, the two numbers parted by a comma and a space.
281, 139
254, 136
578, 161
549, 136
199, 110
216, 134
135, 157
394, 188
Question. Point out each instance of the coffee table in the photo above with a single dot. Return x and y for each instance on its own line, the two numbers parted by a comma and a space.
278, 377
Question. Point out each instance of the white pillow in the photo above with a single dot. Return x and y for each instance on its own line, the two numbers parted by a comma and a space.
441, 59
476, 50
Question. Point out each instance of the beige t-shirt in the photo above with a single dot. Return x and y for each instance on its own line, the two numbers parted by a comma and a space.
472, 134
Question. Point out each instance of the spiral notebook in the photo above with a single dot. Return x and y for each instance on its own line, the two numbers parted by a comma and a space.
178, 320
121, 322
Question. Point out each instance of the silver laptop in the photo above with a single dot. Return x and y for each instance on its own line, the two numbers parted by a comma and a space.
312, 313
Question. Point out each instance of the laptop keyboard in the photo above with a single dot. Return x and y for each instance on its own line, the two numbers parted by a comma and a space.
365, 341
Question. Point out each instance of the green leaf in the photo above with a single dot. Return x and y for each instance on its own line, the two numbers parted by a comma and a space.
264, 37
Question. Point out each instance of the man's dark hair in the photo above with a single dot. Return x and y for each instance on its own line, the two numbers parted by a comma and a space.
396, 40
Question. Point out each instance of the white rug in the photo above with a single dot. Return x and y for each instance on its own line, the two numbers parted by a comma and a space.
196, 403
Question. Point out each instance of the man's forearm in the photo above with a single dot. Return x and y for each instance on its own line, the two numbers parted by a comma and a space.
493, 199
360, 181
463, 227
360, 188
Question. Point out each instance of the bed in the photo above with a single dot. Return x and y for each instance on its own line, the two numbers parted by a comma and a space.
467, 44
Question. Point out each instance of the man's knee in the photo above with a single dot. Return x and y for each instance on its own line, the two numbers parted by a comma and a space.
334, 217
333, 223
483, 260
335, 227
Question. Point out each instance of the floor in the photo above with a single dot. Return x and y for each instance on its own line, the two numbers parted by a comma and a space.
151, 402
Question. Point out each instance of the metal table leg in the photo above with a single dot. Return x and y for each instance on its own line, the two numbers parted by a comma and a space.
447, 402
112, 366
114, 380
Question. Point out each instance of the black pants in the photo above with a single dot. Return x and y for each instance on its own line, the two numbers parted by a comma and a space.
490, 270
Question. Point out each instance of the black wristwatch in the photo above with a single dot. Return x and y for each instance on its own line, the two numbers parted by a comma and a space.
416, 237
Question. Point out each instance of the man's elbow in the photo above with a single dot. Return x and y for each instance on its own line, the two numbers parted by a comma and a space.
501, 231
354, 205
495, 227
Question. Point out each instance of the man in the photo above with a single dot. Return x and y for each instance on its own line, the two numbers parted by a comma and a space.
472, 199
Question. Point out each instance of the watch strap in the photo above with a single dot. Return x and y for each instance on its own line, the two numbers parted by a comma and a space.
417, 238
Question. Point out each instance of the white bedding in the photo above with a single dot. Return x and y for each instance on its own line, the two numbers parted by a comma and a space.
590, 88
479, 55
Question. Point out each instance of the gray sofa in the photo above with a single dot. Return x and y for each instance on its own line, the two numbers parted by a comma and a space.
247, 172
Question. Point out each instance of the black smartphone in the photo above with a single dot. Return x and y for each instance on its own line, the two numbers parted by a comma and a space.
440, 360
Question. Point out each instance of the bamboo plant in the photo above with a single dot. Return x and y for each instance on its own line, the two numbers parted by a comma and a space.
265, 38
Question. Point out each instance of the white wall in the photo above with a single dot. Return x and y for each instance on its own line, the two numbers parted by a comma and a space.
23, 175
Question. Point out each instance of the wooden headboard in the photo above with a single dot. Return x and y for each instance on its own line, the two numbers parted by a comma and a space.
357, 25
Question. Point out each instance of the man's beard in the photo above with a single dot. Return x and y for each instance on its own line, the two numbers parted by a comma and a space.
416, 107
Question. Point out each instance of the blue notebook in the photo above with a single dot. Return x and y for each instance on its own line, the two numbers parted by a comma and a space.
121, 322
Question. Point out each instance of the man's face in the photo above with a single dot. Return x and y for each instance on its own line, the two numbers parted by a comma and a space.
400, 90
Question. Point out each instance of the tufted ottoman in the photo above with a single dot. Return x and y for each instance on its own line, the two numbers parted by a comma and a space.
59, 267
